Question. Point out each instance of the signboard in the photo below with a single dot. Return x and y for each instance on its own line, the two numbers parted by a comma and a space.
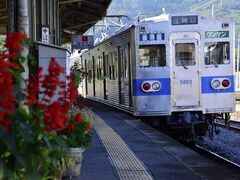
184, 20
217, 34
82, 42
45, 34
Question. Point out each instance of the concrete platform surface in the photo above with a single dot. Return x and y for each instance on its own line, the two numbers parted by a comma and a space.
125, 148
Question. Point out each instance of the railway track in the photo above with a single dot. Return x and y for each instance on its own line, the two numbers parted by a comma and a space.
209, 154
233, 125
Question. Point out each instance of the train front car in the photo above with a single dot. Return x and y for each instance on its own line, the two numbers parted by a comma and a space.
178, 68
184, 69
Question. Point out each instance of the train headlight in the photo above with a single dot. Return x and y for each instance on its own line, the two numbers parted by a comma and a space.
225, 83
215, 84
156, 86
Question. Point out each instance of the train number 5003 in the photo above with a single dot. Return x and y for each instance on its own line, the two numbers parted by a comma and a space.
185, 81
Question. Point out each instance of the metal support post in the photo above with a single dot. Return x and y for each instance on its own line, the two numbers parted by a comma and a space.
11, 14
238, 63
23, 26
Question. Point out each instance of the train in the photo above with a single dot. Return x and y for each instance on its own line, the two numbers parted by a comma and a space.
176, 67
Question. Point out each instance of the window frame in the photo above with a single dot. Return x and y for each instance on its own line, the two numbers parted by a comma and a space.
216, 63
163, 55
181, 61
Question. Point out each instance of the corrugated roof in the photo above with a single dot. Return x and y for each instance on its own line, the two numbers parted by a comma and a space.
76, 16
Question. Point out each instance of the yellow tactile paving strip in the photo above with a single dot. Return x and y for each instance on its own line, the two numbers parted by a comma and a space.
127, 164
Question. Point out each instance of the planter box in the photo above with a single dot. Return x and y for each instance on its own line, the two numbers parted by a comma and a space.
74, 161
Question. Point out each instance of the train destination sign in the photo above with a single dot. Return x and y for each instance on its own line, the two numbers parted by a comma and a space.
217, 34
184, 20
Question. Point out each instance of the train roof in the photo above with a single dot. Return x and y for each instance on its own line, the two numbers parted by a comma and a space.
164, 17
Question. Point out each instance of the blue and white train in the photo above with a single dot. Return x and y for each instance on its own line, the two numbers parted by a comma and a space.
180, 67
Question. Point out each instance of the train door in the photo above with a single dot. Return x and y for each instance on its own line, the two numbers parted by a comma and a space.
124, 75
185, 74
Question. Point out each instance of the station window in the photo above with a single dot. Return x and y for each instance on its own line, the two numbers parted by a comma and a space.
185, 54
152, 55
217, 53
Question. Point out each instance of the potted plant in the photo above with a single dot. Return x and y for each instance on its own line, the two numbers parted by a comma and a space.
79, 134
78, 129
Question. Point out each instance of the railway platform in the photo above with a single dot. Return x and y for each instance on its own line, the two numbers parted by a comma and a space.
125, 148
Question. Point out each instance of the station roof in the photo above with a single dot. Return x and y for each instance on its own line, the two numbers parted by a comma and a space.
77, 16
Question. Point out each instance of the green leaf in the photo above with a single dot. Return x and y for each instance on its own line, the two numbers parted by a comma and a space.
47, 142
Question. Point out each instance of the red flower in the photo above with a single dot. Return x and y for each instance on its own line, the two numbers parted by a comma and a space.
33, 89
13, 42
78, 118
54, 118
79, 102
51, 81
70, 127
6, 123
6, 97
88, 127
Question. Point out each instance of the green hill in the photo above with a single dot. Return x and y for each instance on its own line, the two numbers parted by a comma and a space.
221, 8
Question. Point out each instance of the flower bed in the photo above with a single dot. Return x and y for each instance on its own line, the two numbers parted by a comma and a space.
36, 128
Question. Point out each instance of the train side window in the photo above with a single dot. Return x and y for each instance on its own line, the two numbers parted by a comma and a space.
115, 65
110, 72
100, 74
185, 54
106, 65
217, 53
89, 75
152, 55
110, 66
124, 62
90, 72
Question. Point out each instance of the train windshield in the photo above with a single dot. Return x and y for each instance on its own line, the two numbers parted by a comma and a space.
152, 55
185, 54
217, 53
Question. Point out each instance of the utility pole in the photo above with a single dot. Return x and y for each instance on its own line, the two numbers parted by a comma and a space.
212, 10
221, 6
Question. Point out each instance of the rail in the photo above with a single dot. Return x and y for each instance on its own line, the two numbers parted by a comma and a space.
232, 125
216, 157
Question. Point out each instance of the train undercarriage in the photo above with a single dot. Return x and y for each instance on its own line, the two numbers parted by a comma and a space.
187, 126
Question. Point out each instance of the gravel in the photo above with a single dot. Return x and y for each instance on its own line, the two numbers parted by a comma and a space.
226, 144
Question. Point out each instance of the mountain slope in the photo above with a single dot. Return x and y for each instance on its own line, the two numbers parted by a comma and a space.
221, 8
